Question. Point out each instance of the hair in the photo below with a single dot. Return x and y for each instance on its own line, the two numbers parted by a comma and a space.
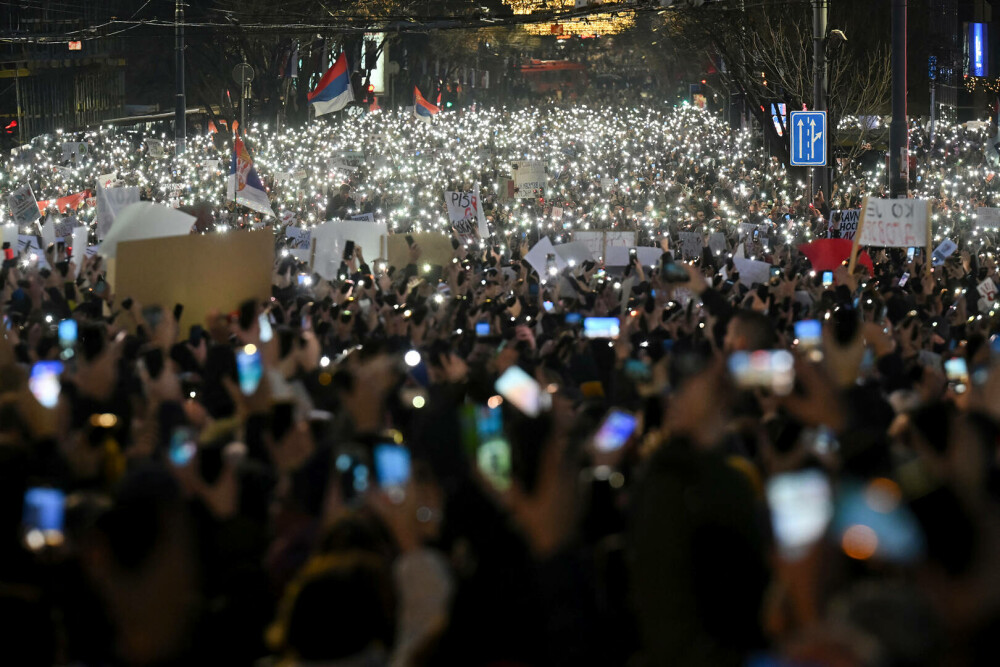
756, 328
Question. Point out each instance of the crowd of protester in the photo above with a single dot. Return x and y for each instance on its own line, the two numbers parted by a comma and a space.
458, 464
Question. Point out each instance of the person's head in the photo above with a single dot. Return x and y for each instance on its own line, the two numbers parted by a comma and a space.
749, 330
345, 189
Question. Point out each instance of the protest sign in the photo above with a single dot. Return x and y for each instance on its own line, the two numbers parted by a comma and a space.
297, 237
619, 256
108, 180
717, 243
748, 228
987, 217
893, 223
538, 257
9, 235
529, 178
943, 252
594, 241
348, 160
48, 232
463, 211
557, 213
155, 148
23, 207
751, 271
988, 290
849, 218
574, 253
109, 202
208, 273
691, 244
74, 150
619, 240
435, 249
367, 217
145, 220
79, 242
329, 239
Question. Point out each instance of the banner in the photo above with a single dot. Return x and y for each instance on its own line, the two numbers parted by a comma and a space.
328, 242
110, 201
366, 217
348, 161
297, 237
155, 148
64, 203
74, 150
849, 218
529, 178
987, 218
23, 207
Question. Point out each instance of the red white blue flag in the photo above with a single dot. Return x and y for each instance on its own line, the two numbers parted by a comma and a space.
333, 92
244, 186
422, 109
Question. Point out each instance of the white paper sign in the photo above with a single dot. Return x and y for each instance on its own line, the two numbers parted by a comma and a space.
987, 290
463, 211
74, 150
717, 242
529, 178
575, 253
155, 148
619, 240
594, 241
987, 218
751, 271
367, 217
537, 257
108, 180
79, 242
48, 232
330, 237
298, 237
23, 207
894, 223
110, 201
691, 244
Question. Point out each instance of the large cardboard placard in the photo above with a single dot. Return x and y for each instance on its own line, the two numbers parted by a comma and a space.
435, 249
207, 273
988, 217
893, 223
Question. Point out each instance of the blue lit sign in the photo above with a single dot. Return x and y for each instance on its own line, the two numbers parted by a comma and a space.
977, 49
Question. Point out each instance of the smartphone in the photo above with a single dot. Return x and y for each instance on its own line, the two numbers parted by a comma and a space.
551, 268
348, 250
493, 451
43, 516
903, 278
801, 505
775, 275
67, 334
153, 360
809, 333
266, 332
482, 329
827, 278
909, 253
548, 306
178, 311
44, 382
633, 254
601, 327
995, 346
523, 392
957, 372
615, 431
195, 334
101, 287
573, 318
249, 369
305, 280
153, 316
674, 272
409, 240
392, 465
183, 446
756, 235
772, 370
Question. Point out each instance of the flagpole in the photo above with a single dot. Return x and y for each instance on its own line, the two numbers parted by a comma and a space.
180, 111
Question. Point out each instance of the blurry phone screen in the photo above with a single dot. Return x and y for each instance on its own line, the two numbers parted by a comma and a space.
266, 332
482, 329
392, 465
957, 372
763, 369
522, 391
493, 453
827, 278
600, 327
801, 506
249, 369
67, 333
43, 516
617, 428
44, 382
809, 332
182, 446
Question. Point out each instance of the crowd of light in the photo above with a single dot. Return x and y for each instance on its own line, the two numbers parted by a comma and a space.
645, 168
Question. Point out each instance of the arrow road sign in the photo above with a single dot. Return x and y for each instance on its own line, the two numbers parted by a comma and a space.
809, 138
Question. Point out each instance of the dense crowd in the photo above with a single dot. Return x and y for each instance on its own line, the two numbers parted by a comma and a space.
484, 463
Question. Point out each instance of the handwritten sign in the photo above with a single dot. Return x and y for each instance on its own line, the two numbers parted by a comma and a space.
848, 221
988, 290
529, 178
894, 223
691, 244
987, 218
463, 211
23, 207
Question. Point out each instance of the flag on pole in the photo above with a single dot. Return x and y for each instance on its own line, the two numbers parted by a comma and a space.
292, 68
333, 92
244, 186
422, 109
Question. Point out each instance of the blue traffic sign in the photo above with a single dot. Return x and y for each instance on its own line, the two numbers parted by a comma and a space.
808, 132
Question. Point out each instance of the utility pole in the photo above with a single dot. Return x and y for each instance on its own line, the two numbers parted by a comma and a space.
821, 175
180, 111
898, 135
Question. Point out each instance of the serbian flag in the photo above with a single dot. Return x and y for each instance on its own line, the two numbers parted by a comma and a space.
422, 109
244, 186
333, 92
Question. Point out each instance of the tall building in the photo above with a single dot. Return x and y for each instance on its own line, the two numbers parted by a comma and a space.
52, 76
